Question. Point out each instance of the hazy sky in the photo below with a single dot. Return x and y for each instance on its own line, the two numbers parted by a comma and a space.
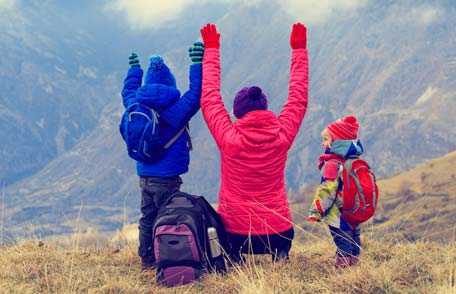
146, 13
143, 14
6, 4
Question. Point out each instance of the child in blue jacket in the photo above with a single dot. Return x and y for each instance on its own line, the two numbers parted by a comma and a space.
161, 179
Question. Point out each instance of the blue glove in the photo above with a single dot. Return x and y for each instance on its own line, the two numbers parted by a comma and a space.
196, 52
133, 60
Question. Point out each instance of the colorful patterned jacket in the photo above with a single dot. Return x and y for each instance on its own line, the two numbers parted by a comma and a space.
327, 201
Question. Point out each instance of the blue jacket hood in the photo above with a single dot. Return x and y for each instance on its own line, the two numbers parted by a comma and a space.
157, 96
159, 73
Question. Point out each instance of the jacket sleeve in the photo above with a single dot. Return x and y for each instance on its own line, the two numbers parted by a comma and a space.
179, 114
214, 111
132, 83
295, 108
324, 199
326, 203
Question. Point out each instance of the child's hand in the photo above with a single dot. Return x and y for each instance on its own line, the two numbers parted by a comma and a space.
298, 37
210, 36
196, 52
133, 60
313, 219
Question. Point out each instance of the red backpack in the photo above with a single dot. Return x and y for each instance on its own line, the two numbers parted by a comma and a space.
360, 191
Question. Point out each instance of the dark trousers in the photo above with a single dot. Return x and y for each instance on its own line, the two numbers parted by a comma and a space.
154, 192
347, 239
278, 245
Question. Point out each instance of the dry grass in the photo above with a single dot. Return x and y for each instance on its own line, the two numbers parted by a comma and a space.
69, 267
418, 205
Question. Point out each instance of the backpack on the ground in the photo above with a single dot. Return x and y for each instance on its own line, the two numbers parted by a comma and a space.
360, 191
189, 239
142, 134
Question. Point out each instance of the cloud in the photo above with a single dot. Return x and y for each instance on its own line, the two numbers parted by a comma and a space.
319, 11
7, 4
424, 15
143, 14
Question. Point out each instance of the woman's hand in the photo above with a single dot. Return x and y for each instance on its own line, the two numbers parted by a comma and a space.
298, 37
210, 36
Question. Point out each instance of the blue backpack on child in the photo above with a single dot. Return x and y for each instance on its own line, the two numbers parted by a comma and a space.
140, 129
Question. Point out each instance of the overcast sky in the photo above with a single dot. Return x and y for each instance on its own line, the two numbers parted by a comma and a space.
146, 13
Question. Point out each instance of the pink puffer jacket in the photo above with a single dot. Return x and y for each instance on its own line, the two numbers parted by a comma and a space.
252, 198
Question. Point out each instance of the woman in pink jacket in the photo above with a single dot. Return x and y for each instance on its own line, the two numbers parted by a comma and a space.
252, 200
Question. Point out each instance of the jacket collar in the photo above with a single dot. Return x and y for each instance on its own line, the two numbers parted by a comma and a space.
347, 148
258, 126
341, 150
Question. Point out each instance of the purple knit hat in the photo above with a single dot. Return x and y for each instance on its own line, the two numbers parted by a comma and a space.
249, 99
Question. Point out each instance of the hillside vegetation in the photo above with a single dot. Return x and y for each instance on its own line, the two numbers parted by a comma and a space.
399, 255
53, 267
420, 203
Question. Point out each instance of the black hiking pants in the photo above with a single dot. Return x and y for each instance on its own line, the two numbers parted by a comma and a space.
154, 192
278, 245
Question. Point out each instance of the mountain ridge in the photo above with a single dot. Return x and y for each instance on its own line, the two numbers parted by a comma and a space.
369, 64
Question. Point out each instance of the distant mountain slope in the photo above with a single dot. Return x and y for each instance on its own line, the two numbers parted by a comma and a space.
420, 203
52, 86
59, 68
392, 64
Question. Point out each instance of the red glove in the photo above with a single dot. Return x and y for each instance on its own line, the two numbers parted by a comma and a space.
298, 37
211, 38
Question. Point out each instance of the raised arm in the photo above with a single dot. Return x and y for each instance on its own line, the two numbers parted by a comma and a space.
179, 114
298, 88
132, 81
214, 111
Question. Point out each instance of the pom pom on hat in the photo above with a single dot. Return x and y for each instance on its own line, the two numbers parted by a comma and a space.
159, 73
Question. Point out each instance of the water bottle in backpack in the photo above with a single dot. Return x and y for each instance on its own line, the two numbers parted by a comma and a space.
214, 242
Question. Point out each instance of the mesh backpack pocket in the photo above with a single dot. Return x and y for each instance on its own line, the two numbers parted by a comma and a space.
182, 247
176, 250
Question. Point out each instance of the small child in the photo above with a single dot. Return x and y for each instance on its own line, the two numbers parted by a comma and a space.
340, 140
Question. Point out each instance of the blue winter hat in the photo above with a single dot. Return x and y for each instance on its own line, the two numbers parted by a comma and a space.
159, 73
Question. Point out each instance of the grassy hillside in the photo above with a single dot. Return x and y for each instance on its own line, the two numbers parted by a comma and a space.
53, 267
417, 206
420, 203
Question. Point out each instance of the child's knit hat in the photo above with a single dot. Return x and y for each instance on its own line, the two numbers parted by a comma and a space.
249, 99
345, 128
159, 73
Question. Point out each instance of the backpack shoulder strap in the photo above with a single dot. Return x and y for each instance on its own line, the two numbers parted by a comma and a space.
131, 106
154, 115
347, 170
174, 139
348, 164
